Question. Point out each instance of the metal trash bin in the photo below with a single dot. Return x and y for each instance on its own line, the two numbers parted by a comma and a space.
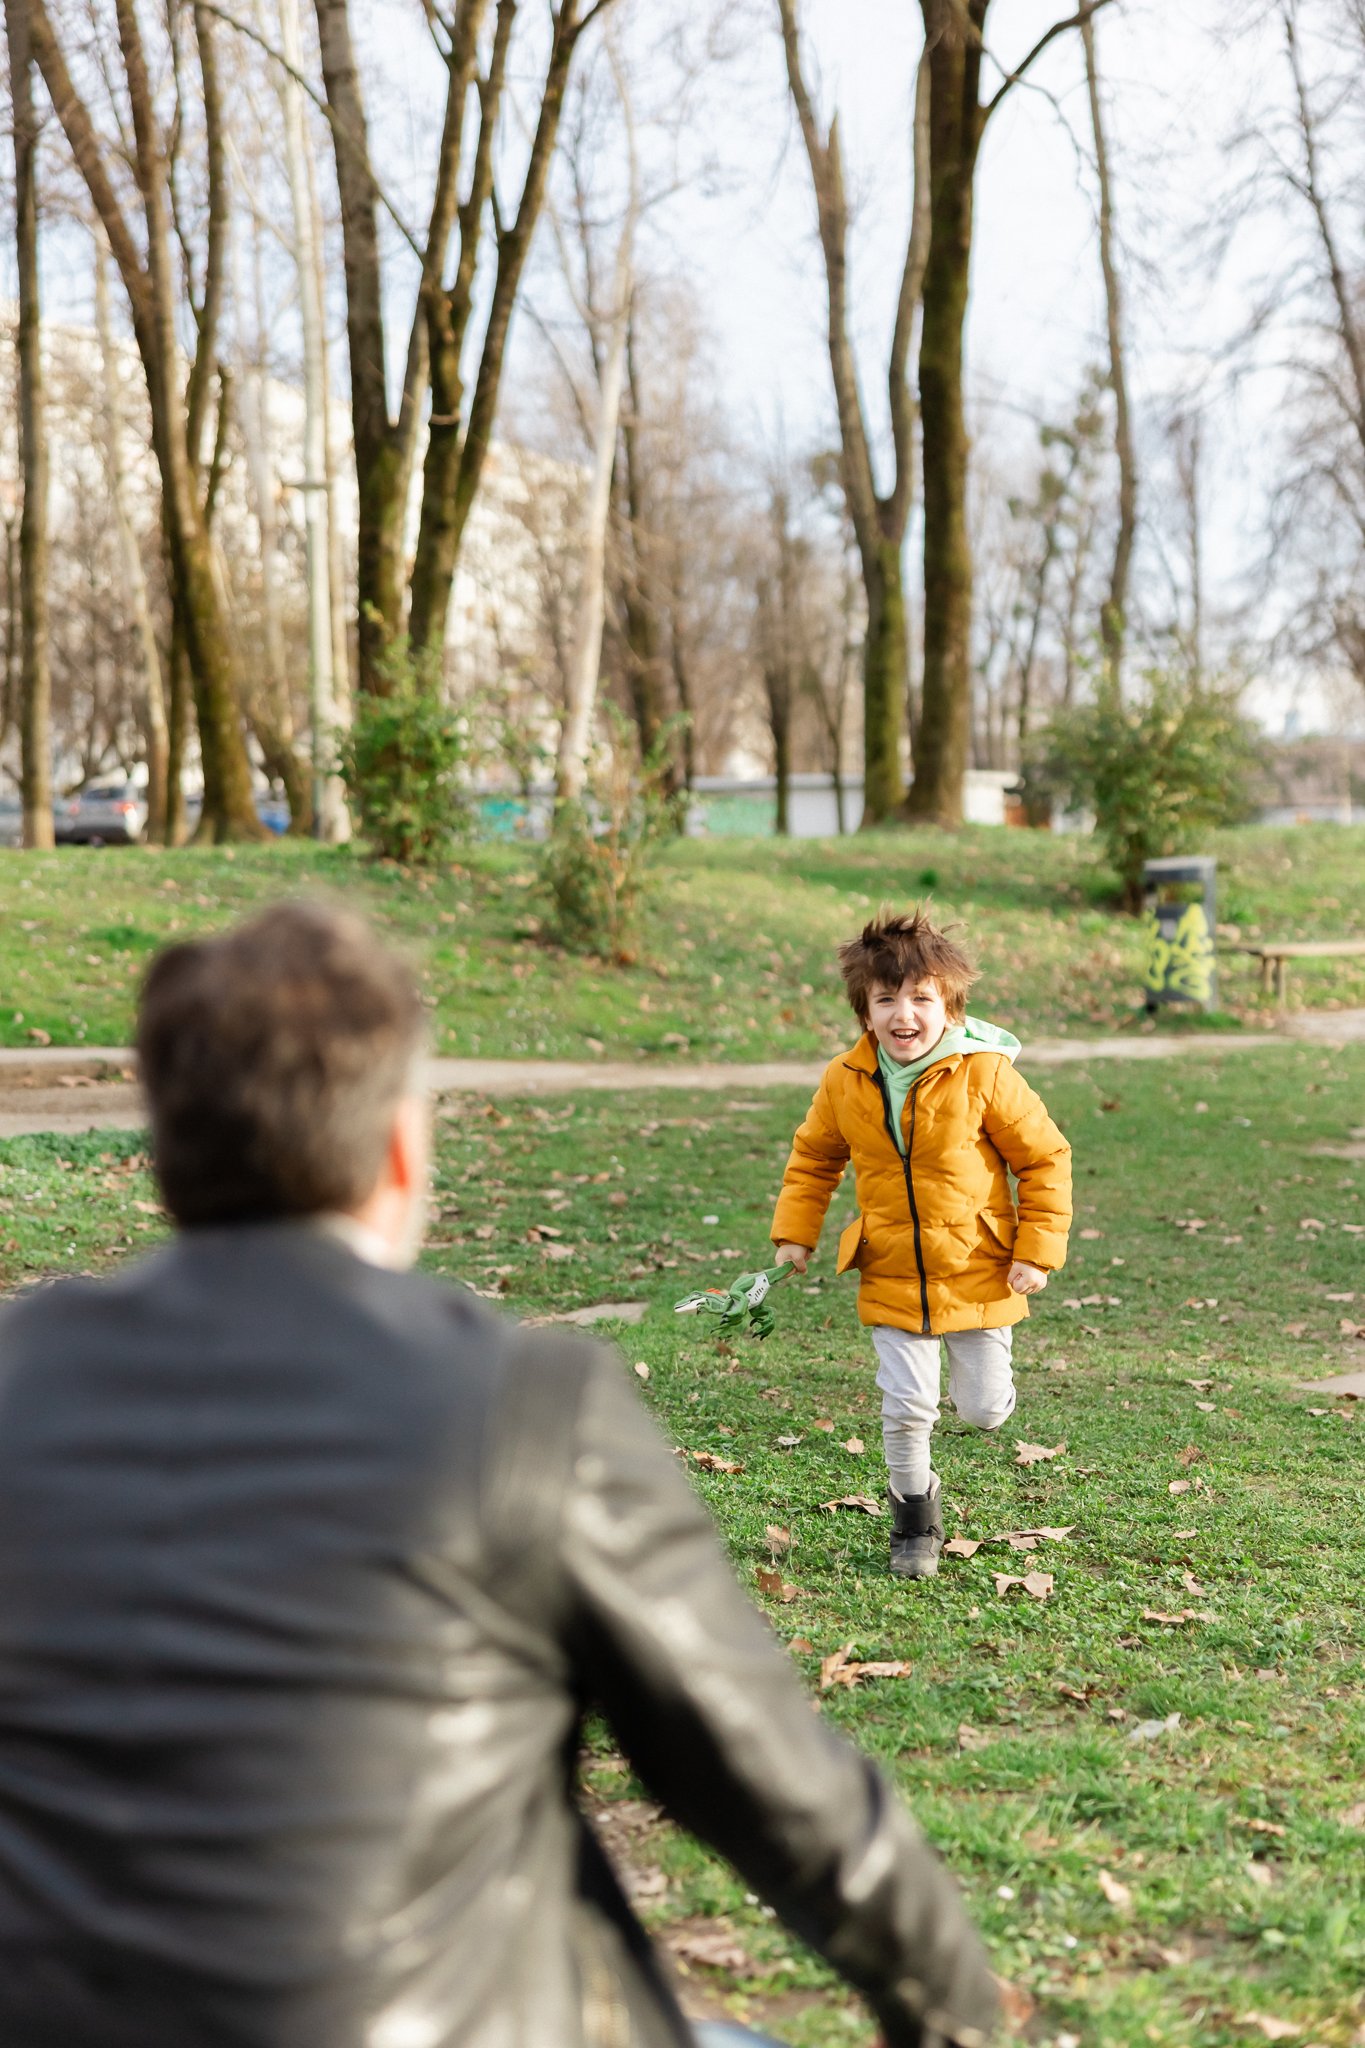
1180, 921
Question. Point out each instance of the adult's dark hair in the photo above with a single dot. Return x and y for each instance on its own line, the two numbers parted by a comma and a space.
273, 1058
896, 946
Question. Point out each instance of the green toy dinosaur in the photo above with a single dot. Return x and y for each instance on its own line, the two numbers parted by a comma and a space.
748, 1295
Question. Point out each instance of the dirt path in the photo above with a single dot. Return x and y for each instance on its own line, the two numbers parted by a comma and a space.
85, 1088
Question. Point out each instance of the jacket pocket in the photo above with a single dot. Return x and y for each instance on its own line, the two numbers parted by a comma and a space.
999, 1230
850, 1244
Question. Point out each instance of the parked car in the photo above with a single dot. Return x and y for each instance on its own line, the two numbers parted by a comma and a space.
111, 812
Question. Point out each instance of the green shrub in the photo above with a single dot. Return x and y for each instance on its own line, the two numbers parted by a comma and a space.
405, 763
594, 864
1156, 772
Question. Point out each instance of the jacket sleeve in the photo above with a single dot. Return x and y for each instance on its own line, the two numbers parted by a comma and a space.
716, 1723
819, 1154
1035, 1151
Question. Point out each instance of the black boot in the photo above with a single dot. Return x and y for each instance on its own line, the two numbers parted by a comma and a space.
916, 1531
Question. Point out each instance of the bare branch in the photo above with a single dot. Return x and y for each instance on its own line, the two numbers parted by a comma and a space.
1058, 28
276, 56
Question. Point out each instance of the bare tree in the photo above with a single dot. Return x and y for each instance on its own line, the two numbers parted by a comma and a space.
203, 627
130, 557
879, 519
575, 735
35, 674
1114, 613
327, 705
457, 438
958, 115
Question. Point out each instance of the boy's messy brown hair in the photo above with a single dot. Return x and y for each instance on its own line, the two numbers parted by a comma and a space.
897, 945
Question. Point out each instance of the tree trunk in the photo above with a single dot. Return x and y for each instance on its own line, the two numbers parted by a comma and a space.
575, 733
269, 709
177, 727
879, 522
955, 126
1113, 615
779, 719
155, 734
331, 820
35, 678
682, 678
884, 665
639, 614
383, 453
9, 708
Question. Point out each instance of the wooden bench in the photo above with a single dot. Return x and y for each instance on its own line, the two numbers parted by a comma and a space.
1273, 955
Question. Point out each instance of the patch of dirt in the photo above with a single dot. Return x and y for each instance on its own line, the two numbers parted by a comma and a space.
629, 1831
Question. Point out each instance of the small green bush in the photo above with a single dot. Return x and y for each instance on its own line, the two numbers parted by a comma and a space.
405, 762
1156, 772
594, 864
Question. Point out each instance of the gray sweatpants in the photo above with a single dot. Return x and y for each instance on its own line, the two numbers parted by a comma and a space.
909, 1373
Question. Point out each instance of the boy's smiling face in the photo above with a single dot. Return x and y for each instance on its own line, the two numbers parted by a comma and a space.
907, 1021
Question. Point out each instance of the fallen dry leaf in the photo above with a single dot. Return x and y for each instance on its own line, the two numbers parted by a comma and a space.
1272, 2029
961, 1546
856, 1445
1074, 1692
841, 1668
1192, 1585
1179, 1486
1189, 1456
1037, 1454
641, 1369
1179, 1533
1261, 1827
1175, 1620
801, 1646
1207, 1407
1091, 1234
823, 1422
776, 1587
1354, 1816
1038, 1585
778, 1539
1116, 1893
1017, 2005
1029, 1539
862, 1501
969, 1738
713, 1948
789, 1443
1200, 1386
709, 1462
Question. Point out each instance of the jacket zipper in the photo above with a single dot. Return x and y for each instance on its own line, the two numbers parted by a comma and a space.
909, 1186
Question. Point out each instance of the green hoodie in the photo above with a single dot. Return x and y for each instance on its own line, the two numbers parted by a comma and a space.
971, 1035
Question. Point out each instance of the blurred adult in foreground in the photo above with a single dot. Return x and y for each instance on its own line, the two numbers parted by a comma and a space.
309, 1567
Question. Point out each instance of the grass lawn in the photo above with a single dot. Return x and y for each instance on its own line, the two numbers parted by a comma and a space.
1148, 1880
736, 948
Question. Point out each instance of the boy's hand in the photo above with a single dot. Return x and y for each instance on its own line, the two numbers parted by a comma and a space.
1023, 1279
793, 1255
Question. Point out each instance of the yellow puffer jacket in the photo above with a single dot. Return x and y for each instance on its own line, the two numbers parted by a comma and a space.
937, 1229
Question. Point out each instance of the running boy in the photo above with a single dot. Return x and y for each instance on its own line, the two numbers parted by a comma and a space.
930, 1110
